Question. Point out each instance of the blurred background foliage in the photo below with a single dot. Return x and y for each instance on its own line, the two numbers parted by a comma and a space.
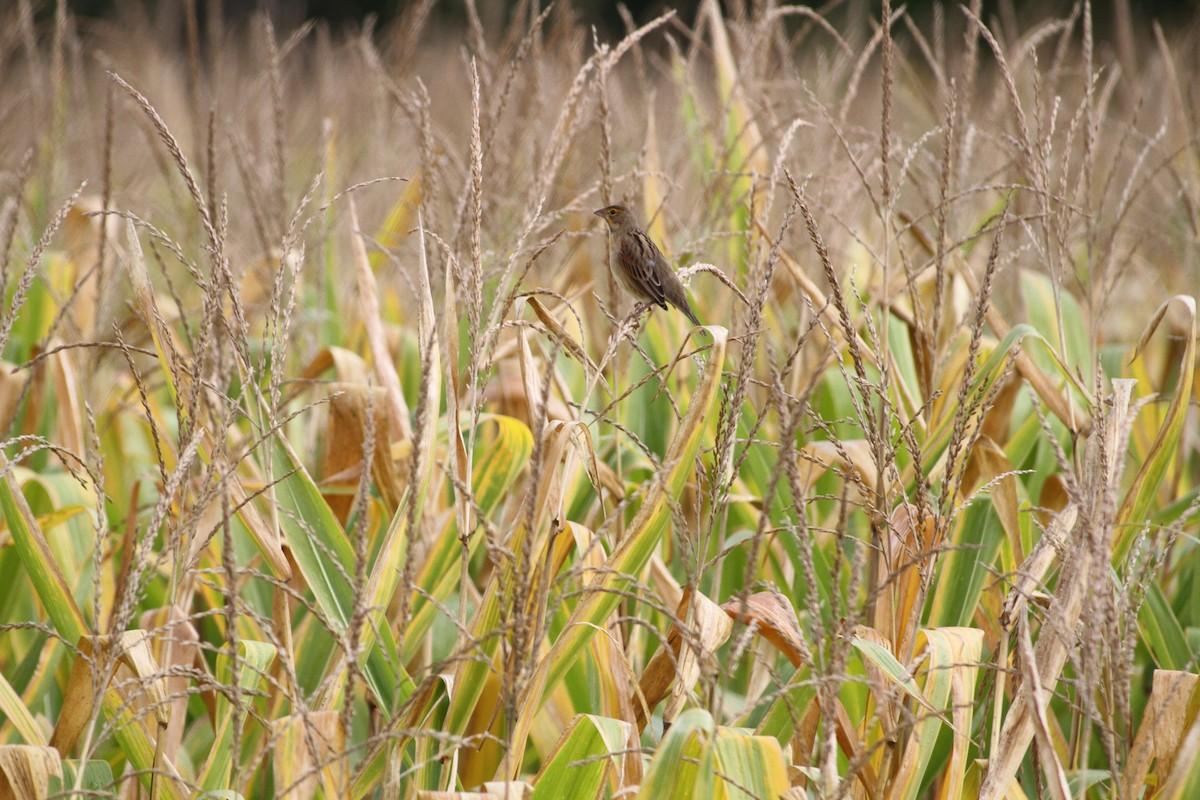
605, 14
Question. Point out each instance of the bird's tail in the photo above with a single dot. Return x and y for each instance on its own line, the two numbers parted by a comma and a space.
686, 308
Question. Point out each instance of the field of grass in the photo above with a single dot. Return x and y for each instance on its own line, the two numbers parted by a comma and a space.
332, 464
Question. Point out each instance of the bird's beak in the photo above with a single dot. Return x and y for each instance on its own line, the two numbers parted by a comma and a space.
599, 212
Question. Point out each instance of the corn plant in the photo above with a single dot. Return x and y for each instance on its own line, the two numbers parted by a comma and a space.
333, 462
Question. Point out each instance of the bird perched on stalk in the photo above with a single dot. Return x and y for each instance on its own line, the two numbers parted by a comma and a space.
639, 266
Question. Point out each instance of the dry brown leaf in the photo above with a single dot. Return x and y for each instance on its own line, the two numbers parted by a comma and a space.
805, 736
709, 626
533, 374
998, 419
1171, 711
903, 566
774, 618
505, 393
988, 466
1054, 498
385, 369
25, 770
10, 392
342, 457
176, 646
1181, 781
1029, 577
346, 364
656, 679
854, 458
848, 741
1031, 682
664, 583
137, 679
531, 379
568, 341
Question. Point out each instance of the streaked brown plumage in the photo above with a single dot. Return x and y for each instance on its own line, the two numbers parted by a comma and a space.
639, 266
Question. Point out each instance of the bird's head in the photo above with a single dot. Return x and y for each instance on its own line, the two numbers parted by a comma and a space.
618, 217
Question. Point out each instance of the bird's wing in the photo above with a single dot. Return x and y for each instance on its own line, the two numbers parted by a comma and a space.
646, 262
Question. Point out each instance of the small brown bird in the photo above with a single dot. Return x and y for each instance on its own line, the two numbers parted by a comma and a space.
639, 266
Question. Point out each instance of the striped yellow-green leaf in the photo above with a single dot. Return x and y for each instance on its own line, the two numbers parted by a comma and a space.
254, 658
309, 751
648, 526
56, 598
503, 446
950, 667
696, 759
1165, 451
582, 759
22, 724
748, 766
683, 766
326, 559
40, 565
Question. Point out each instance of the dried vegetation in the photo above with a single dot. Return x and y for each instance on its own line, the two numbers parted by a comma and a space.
331, 465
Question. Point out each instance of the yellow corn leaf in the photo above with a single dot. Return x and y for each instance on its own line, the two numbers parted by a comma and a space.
309, 752
951, 660
1165, 450
399, 220
21, 720
748, 766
